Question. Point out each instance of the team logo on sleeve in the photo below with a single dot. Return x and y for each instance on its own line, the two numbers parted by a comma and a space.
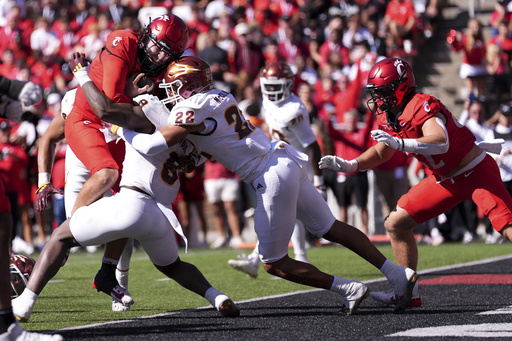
116, 41
426, 106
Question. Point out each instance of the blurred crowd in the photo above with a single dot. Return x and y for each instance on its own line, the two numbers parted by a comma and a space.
330, 45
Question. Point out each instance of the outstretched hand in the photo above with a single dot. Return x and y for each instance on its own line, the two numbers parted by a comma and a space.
77, 62
30, 94
42, 194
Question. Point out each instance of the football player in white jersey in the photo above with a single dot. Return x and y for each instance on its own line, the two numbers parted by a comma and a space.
211, 120
76, 176
142, 210
287, 119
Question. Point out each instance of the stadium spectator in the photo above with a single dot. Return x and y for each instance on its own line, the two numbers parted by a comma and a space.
222, 193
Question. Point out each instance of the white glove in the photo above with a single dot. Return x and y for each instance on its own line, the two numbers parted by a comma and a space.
388, 140
30, 94
338, 164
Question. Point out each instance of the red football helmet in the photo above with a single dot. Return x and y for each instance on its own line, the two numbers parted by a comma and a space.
390, 82
21, 267
277, 82
167, 34
185, 78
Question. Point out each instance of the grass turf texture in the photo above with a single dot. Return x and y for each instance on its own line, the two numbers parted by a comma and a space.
68, 299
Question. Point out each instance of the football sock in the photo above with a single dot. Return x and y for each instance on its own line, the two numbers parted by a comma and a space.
338, 285
211, 294
6, 319
390, 270
109, 261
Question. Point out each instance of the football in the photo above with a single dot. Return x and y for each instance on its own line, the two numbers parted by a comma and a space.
21, 267
145, 80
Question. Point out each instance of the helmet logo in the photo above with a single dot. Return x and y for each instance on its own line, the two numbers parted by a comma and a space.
164, 17
116, 41
400, 67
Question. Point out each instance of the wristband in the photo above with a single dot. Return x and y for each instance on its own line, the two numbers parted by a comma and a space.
82, 76
42, 187
318, 180
43, 178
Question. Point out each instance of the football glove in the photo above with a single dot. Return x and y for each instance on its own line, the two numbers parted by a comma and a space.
338, 164
43, 192
388, 140
30, 94
187, 163
77, 62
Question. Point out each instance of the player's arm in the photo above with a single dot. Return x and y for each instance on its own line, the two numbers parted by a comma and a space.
159, 141
121, 114
433, 142
45, 156
26, 92
371, 158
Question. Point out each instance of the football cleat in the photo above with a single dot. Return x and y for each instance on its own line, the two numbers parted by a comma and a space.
108, 284
245, 264
356, 293
388, 298
15, 332
226, 307
403, 290
120, 306
22, 308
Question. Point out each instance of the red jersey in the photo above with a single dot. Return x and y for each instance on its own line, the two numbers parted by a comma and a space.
400, 12
119, 57
419, 109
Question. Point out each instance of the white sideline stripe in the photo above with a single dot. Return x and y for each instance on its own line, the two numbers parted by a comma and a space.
506, 310
486, 330
448, 267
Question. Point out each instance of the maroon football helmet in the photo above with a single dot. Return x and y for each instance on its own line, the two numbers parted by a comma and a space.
21, 267
185, 78
277, 82
166, 34
390, 83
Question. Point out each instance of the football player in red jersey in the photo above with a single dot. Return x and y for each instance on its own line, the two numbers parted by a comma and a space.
125, 53
421, 126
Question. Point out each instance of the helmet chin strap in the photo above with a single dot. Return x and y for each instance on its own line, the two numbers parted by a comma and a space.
392, 120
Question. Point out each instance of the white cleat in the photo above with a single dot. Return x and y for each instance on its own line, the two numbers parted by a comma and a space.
226, 307
16, 333
245, 264
22, 309
119, 306
356, 293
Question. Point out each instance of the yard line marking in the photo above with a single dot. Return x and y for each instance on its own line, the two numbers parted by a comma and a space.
487, 330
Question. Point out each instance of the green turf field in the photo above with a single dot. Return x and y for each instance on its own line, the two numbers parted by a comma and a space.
68, 299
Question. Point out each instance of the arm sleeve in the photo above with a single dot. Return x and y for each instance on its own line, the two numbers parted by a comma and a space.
144, 143
11, 87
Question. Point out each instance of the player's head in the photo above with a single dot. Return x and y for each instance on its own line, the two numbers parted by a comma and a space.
390, 83
277, 82
163, 41
185, 78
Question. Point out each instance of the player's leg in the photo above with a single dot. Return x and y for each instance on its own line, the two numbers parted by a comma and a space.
299, 242
162, 249
318, 219
48, 264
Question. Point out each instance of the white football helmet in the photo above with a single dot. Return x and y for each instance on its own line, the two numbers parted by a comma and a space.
277, 82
